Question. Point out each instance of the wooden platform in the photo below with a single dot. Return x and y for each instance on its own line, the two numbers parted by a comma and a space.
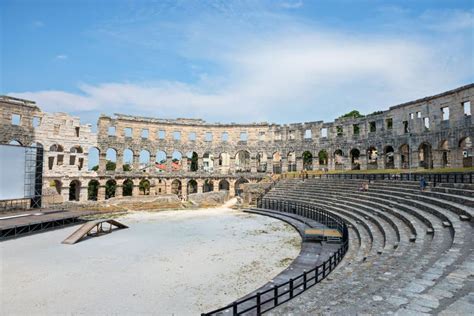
17, 224
93, 228
322, 234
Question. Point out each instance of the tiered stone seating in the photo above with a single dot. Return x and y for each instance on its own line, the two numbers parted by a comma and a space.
410, 251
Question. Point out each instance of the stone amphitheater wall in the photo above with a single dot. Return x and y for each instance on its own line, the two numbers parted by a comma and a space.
409, 135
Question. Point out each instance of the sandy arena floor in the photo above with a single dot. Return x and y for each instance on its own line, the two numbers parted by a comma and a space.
166, 263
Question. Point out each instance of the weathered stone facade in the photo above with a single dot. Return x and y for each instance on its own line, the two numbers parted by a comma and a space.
431, 132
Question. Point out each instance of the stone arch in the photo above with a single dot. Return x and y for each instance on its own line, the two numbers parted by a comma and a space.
127, 159
237, 185
58, 185
176, 161
242, 161
176, 187
15, 142
355, 159
127, 187
323, 158
372, 158
160, 160
192, 161
208, 162
404, 156
76, 150
224, 185
444, 150
192, 186
389, 157
338, 159
93, 190
110, 188
56, 148
93, 158
425, 156
307, 160
160, 186
291, 161
144, 158
208, 186
144, 187
261, 160
465, 145
111, 159
74, 190
276, 162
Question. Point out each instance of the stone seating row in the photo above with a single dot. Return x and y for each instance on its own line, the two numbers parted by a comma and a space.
414, 243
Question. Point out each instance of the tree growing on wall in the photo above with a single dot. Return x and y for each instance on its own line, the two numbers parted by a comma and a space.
110, 165
352, 114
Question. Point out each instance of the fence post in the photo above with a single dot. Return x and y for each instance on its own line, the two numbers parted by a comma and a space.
234, 309
291, 288
316, 278
304, 280
258, 304
275, 295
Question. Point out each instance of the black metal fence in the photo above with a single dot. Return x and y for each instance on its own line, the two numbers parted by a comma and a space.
450, 177
278, 294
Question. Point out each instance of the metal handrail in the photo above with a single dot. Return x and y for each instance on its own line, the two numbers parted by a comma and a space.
277, 294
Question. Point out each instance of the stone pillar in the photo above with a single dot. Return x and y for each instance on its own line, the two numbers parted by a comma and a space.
152, 188
216, 186
215, 165
299, 163
119, 190
200, 186
101, 191
363, 161
102, 162
200, 164
136, 187
232, 165
65, 190
83, 192
284, 164
253, 164
168, 163
231, 188
136, 162
184, 188
119, 163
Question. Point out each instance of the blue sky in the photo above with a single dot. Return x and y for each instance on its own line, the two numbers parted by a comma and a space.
233, 61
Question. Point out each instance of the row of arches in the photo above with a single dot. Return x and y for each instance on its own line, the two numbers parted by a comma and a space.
127, 187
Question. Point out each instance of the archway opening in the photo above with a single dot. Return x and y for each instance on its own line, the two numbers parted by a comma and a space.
291, 161
224, 185
127, 188
338, 160
372, 158
444, 149
176, 161
192, 186
404, 156
242, 161
193, 162
176, 187
323, 159
307, 160
74, 190
276, 162
127, 160
355, 159
111, 159
144, 158
208, 186
93, 190
93, 159
238, 186
144, 186
110, 187
389, 157
208, 162
425, 157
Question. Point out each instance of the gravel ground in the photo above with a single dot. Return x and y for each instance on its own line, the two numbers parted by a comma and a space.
166, 263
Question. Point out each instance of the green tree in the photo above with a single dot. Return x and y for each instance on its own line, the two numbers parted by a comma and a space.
92, 190
127, 187
194, 162
110, 165
352, 114
145, 187
127, 167
95, 168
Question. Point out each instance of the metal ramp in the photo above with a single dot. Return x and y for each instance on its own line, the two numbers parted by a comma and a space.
93, 229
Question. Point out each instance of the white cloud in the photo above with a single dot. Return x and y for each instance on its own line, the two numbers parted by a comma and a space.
61, 57
295, 73
291, 5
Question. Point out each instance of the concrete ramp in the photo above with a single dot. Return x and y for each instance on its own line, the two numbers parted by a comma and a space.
93, 228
